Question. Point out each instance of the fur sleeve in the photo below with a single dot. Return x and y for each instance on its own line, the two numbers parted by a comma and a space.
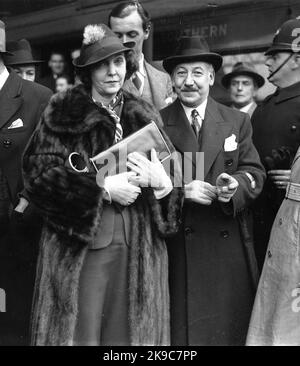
166, 212
70, 202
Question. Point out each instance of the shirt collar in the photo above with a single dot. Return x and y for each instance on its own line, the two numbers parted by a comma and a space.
141, 69
246, 108
3, 77
200, 109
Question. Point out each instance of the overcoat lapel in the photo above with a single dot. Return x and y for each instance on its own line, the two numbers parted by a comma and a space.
180, 132
214, 132
10, 98
179, 129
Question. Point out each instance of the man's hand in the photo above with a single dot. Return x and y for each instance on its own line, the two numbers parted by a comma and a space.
200, 192
226, 187
120, 190
280, 178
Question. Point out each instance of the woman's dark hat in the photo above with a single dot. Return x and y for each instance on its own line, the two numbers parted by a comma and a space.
192, 49
22, 54
243, 68
99, 43
2, 40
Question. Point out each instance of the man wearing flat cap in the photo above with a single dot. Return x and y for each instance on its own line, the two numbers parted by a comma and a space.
212, 266
21, 104
276, 129
242, 83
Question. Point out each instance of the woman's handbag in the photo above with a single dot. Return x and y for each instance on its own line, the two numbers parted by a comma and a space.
113, 160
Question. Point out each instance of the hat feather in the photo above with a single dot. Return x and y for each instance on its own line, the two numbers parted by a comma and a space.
92, 34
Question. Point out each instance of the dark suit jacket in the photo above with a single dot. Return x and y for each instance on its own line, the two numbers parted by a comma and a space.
24, 100
207, 305
160, 85
49, 82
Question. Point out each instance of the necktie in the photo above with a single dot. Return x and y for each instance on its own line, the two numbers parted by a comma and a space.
196, 122
137, 82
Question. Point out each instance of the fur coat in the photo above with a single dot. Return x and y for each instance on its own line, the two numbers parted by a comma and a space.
71, 204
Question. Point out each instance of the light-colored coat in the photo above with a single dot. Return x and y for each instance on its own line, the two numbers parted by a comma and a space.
276, 314
160, 87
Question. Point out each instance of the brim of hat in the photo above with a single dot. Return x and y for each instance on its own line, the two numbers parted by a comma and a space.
279, 48
258, 78
212, 58
92, 61
6, 53
33, 62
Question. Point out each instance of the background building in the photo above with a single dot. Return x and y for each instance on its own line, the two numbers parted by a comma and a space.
238, 29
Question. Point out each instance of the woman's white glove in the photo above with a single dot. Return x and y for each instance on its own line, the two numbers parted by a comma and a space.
149, 173
120, 190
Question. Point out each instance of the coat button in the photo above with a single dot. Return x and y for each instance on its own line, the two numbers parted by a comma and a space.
269, 254
293, 128
188, 230
224, 234
7, 143
229, 162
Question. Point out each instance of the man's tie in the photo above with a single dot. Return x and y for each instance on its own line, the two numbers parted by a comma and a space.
137, 82
196, 122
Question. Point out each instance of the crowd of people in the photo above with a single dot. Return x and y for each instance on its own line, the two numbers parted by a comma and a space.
133, 258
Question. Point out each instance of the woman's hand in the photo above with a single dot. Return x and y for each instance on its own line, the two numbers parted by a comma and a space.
148, 173
120, 190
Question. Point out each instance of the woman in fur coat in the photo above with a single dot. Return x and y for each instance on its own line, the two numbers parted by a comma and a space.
102, 276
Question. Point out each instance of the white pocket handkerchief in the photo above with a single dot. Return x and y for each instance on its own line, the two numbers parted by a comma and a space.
16, 124
230, 143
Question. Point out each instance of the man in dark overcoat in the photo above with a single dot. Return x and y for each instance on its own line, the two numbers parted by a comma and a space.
212, 265
276, 129
21, 104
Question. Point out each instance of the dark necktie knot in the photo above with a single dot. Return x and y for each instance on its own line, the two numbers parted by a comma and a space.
194, 113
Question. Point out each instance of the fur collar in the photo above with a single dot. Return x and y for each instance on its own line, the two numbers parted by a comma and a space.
75, 112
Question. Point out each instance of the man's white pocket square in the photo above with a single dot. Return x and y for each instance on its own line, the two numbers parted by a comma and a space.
16, 124
230, 143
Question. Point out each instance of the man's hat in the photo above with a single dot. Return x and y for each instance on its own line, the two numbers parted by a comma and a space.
99, 43
285, 38
22, 54
243, 68
2, 40
192, 49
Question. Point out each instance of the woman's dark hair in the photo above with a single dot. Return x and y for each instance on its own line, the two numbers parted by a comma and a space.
85, 72
126, 8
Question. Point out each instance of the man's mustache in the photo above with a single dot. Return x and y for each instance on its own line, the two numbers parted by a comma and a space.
189, 89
